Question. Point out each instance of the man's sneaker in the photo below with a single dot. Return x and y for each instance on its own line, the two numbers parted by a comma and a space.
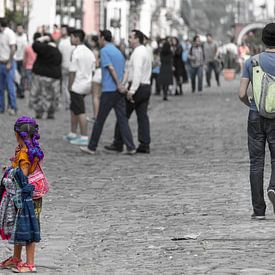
257, 217
113, 148
70, 136
131, 152
271, 196
87, 150
80, 141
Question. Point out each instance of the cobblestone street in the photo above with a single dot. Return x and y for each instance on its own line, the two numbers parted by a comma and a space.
183, 209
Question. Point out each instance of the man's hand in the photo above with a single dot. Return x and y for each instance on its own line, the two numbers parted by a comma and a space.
121, 88
130, 97
8, 65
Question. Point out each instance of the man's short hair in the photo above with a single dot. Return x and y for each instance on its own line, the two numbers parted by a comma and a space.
106, 34
139, 35
78, 33
3, 22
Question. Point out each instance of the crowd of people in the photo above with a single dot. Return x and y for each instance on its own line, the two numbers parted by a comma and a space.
58, 69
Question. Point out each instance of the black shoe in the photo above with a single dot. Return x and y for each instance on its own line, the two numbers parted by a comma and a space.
271, 196
143, 149
50, 116
257, 217
113, 148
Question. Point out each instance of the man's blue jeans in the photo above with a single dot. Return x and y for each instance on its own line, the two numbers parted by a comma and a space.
7, 82
260, 130
196, 71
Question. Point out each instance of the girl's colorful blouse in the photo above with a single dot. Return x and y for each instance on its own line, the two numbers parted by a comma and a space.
21, 156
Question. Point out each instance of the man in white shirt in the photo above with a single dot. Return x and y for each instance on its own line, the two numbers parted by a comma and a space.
7, 67
21, 44
81, 69
66, 49
138, 95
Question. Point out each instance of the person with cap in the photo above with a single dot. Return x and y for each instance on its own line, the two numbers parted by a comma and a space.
112, 64
138, 94
260, 129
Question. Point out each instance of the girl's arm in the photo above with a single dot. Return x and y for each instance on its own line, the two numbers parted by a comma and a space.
25, 168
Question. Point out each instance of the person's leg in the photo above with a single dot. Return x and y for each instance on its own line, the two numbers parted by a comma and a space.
122, 121
208, 74
200, 78
39, 94
142, 116
2, 87
83, 125
270, 132
256, 147
165, 92
11, 86
216, 71
96, 91
105, 106
193, 73
74, 122
30, 250
53, 89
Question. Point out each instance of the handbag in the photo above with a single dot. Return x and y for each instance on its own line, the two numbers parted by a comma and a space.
39, 181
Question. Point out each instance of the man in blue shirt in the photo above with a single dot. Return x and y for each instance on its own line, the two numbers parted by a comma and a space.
260, 129
113, 66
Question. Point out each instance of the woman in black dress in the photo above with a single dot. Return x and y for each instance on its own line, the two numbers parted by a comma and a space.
166, 68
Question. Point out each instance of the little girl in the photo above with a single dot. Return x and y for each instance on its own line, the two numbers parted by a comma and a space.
27, 156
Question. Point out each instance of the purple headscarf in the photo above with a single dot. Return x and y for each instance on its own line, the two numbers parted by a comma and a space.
27, 128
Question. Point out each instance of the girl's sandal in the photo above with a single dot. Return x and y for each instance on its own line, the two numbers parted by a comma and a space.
24, 268
9, 263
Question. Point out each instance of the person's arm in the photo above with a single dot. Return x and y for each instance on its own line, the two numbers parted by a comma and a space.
72, 71
71, 80
243, 91
137, 73
114, 76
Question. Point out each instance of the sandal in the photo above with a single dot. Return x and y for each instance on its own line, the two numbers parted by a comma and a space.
9, 263
24, 268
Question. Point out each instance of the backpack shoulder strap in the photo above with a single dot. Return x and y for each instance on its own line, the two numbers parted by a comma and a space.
255, 60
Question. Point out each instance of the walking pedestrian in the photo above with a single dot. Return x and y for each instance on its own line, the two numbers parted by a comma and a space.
46, 70
66, 48
138, 95
21, 43
81, 70
155, 71
7, 67
180, 72
260, 129
166, 68
112, 66
25, 230
211, 59
196, 58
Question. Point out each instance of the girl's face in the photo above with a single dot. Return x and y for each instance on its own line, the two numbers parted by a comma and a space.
19, 139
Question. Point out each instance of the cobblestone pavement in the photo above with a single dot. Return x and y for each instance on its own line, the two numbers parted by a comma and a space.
183, 209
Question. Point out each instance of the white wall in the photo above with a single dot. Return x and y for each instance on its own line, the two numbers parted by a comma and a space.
42, 13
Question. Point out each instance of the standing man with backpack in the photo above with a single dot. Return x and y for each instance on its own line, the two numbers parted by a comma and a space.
259, 70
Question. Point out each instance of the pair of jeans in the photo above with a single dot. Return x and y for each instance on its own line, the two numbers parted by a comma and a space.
108, 101
260, 130
212, 66
7, 82
140, 105
196, 71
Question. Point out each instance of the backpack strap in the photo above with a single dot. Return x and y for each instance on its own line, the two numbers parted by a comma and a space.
255, 60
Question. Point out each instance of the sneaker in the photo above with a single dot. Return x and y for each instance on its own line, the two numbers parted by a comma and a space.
80, 141
86, 150
70, 136
130, 152
257, 217
113, 148
11, 112
271, 196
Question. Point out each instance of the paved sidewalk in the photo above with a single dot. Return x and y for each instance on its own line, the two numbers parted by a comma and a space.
183, 209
